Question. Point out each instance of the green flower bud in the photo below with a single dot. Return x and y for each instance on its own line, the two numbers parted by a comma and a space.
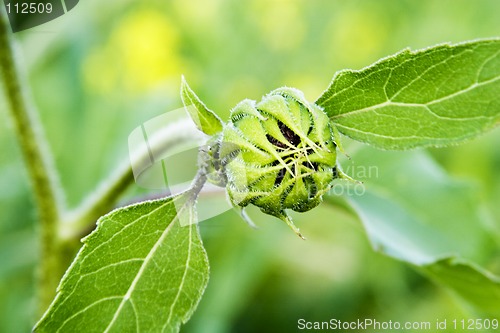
278, 154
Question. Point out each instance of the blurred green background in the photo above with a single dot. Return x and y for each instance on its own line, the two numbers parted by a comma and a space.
107, 66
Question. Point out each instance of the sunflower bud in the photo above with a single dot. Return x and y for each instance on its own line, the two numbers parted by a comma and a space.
278, 154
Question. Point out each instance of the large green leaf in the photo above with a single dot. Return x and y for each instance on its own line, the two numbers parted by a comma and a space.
414, 212
204, 118
433, 97
140, 271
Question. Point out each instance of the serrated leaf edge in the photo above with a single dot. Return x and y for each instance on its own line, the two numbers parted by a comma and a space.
405, 50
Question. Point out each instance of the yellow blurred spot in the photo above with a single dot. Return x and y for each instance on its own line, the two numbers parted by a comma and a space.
281, 23
141, 53
356, 35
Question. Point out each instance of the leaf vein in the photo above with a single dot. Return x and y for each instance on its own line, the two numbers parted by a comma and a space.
144, 265
76, 314
140, 218
186, 268
118, 263
418, 77
386, 136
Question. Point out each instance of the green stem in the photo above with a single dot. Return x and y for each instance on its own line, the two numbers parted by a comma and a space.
38, 162
81, 221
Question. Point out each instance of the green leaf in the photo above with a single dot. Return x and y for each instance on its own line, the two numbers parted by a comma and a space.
433, 97
414, 212
479, 288
204, 118
140, 271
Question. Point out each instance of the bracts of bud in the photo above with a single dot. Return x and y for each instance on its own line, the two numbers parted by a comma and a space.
276, 154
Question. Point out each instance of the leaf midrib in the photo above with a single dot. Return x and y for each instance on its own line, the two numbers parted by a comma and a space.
425, 105
181, 285
404, 62
394, 138
142, 217
151, 253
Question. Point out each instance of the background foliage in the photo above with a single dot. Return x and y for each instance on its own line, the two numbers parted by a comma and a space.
106, 67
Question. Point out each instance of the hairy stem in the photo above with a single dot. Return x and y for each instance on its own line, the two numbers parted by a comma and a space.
39, 165
81, 221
